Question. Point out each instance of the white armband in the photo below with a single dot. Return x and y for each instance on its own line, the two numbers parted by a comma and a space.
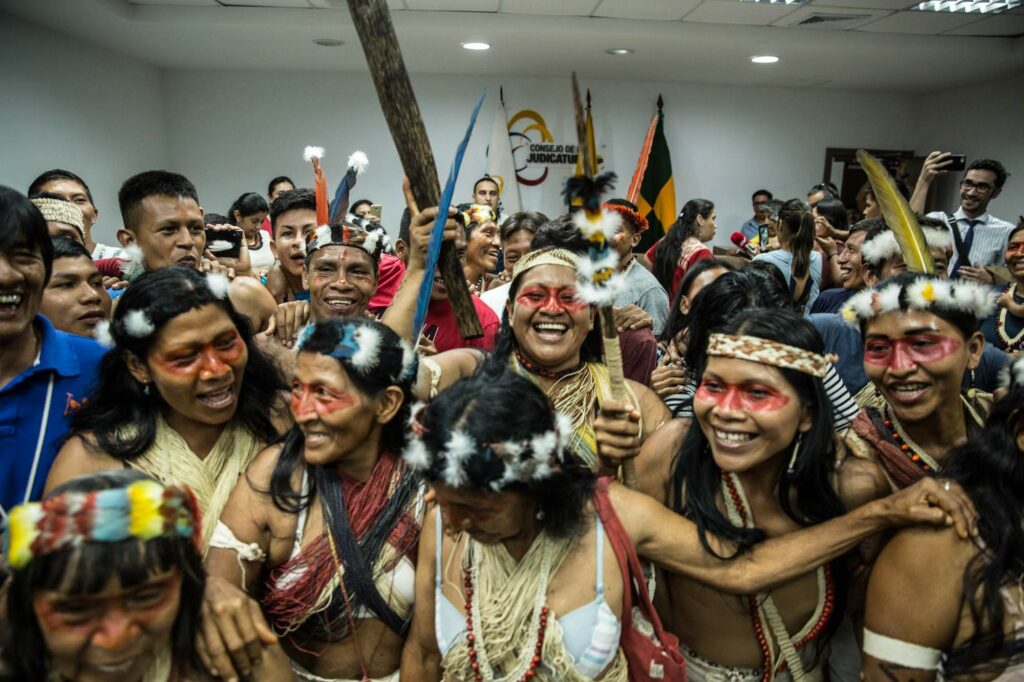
224, 538
903, 653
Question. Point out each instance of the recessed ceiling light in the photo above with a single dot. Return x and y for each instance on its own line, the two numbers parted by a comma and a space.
764, 59
476, 46
778, 2
968, 6
328, 42
619, 51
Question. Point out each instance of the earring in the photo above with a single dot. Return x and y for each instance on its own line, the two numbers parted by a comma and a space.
540, 515
796, 453
145, 389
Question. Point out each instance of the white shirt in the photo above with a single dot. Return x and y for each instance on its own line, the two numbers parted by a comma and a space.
496, 299
990, 237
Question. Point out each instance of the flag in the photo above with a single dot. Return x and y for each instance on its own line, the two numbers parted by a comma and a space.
653, 189
500, 164
591, 145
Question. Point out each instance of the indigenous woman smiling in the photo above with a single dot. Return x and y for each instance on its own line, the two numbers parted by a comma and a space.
482, 245
322, 529
549, 336
920, 337
170, 400
106, 584
966, 619
1005, 328
527, 584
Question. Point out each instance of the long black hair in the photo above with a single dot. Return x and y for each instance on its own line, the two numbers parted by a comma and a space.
502, 408
248, 204
391, 363
666, 255
121, 416
990, 467
697, 480
796, 224
677, 320
85, 569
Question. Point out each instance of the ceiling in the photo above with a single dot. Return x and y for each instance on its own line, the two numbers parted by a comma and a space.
873, 45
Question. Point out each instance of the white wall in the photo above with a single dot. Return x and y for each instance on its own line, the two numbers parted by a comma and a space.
231, 131
71, 105
983, 121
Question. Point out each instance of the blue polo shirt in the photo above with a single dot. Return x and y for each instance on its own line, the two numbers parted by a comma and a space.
66, 369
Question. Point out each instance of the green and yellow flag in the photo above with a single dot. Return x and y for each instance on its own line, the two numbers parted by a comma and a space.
653, 189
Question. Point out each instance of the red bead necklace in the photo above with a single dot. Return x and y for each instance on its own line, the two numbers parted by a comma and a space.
534, 369
904, 447
762, 638
471, 635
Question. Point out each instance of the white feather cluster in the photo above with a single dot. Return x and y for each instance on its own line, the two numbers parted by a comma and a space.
219, 285
563, 423
416, 455
924, 293
137, 324
311, 152
358, 162
609, 224
888, 300
458, 449
133, 264
368, 341
103, 334
408, 360
603, 295
371, 241
1018, 371
323, 235
884, 246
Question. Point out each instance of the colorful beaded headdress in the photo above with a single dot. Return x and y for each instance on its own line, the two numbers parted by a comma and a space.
530, 459
768, 352
476, 214
346, 234
925, 293
143, 510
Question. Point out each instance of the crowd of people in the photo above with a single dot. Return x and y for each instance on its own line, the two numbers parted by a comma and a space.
229, 454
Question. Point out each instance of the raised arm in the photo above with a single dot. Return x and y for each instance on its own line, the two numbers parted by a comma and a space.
932, 168
671, 541
421, 659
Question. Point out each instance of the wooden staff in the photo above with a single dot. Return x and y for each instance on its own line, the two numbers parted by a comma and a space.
372, 21
606, 314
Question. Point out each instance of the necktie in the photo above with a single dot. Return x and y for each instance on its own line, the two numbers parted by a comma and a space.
968, 241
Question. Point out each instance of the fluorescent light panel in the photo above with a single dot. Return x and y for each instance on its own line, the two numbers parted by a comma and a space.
778, 2
968, 6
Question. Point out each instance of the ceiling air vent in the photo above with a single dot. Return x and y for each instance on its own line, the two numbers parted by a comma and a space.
825, 20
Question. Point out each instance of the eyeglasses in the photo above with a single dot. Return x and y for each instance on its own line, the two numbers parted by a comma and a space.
982, 187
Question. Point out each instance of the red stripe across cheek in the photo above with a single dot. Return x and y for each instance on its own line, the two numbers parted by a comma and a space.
307, 398
551, 299
742, 397
906, 352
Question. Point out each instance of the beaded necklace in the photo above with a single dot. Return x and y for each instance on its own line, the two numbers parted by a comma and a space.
762, 607
917, 455
1008, 344
534, 369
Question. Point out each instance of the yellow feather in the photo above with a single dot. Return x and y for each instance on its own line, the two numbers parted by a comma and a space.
898, 216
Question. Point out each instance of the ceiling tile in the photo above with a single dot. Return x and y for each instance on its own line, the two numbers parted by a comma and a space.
925, 23
567, 8
830, 18
454, 5
999, 25
664, 10
732, 12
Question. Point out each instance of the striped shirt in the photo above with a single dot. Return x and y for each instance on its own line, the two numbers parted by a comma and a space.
844, 408
990, 237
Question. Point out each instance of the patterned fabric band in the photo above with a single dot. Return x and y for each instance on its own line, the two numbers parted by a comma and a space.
346, 234
563, 257
144, 510
768, 352
59, 211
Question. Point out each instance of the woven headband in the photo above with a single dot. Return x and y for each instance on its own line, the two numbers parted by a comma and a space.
60, 211
767, 352
562, 257
144, 510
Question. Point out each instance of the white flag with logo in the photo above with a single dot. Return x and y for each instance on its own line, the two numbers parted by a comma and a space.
500, 164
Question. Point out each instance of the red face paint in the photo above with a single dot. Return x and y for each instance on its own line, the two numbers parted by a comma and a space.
209, 360
741, 397
1014, 249
551, 299
111, 621
317, 398
910, 351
